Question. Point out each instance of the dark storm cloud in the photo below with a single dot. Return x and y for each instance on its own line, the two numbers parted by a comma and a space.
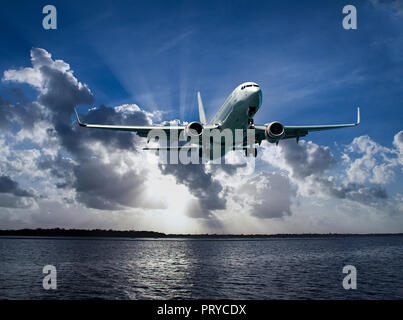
97, 185
269, 195
307, 159
102, 188
7, 185
12, 201
4, 119
18, 110
104, 115
368, 195
12, 196
60, 168
202, 185
310, 161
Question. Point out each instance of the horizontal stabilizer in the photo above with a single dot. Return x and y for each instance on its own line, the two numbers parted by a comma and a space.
173, 148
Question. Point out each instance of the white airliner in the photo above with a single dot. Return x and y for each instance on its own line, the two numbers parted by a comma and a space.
237, 112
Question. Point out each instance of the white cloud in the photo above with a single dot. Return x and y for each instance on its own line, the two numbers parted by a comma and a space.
38, 75
315, 171
92, 178
368, 161
266, 195
26, 75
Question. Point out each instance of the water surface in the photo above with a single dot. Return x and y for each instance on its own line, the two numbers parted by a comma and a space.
118, 268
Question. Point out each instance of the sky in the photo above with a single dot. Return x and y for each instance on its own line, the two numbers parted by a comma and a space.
138, 63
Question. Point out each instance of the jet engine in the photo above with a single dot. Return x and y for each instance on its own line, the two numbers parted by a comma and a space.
193, 129
274, 132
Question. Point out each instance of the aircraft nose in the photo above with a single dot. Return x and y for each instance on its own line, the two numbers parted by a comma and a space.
255, 94
254, 90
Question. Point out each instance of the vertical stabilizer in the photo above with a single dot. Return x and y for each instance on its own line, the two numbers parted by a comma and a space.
202, 115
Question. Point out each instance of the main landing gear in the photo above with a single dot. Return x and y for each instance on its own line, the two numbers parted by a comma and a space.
249, 151
250, 123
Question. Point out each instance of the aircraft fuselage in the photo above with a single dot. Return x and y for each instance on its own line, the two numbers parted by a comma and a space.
240, 107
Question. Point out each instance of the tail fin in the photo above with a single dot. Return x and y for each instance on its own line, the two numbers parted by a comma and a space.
202, 115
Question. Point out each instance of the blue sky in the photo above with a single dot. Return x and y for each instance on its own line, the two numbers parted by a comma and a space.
158, 54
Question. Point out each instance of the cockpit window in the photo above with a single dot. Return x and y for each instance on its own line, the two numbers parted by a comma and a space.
249, 85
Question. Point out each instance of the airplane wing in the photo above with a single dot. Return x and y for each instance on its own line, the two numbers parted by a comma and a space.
301, 131
142, 131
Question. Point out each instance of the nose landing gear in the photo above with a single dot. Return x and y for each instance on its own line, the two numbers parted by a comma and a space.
251, 123
251, 113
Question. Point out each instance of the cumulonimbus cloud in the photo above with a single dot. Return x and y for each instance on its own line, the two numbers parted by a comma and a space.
366, 168
98, 179
98, 184
12, 195
105, 170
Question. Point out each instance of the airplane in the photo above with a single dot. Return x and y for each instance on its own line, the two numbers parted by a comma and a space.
237, 112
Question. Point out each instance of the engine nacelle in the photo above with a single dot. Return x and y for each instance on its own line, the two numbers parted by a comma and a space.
274, 132
193, 129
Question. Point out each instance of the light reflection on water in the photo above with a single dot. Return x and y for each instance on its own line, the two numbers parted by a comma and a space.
202, 269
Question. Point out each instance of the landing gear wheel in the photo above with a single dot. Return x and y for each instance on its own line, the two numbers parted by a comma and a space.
250, 122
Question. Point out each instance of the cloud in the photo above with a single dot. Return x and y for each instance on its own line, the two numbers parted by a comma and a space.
209, 192
92, 162
21, 110
398, 143
25, 75
369, 161
394, 6
12, 201
101, 187
267, 195
307, 159
7, 185
102, 178
367, 167
12, 196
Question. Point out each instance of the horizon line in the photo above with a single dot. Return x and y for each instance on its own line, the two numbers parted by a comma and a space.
157, 234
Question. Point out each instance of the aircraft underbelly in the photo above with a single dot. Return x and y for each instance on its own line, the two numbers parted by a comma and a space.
237, 119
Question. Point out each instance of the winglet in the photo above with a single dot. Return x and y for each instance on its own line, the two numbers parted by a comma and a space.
78, 119
358, 117
202, 115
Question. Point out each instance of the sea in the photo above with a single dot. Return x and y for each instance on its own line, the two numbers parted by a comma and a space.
212, 268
